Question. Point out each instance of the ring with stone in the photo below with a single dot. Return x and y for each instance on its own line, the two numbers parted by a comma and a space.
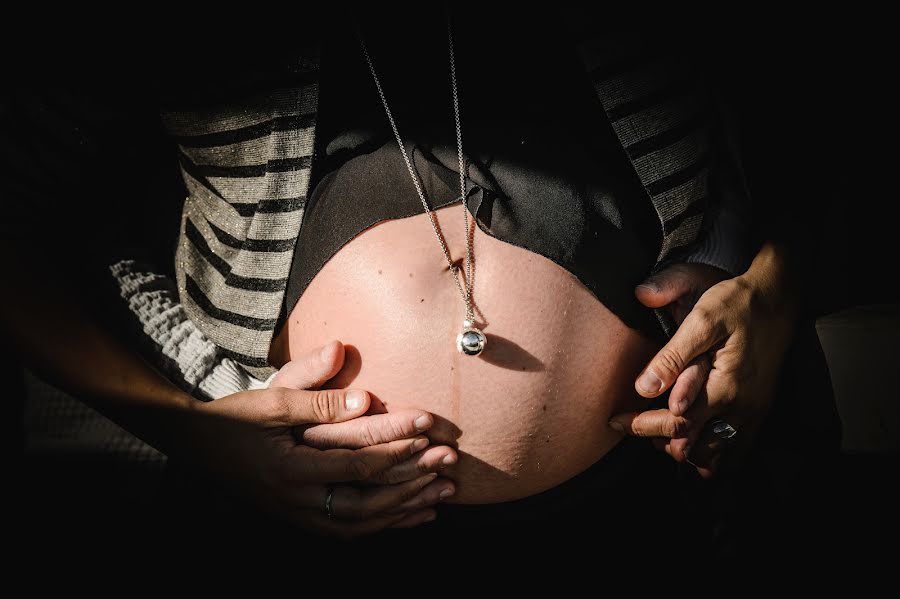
722, 430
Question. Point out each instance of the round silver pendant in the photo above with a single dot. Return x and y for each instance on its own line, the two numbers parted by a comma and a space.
471, 341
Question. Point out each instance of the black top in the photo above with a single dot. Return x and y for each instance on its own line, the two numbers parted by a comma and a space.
545, 169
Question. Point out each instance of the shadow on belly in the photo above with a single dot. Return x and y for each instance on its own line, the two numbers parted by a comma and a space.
506, 353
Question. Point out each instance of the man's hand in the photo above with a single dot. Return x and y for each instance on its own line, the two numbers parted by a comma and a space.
311, 371
250, 440
723, 361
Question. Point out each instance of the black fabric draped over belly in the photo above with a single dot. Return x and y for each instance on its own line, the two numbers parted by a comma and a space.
544, 169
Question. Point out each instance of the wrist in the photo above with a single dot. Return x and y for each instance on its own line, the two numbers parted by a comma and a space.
771, 277
156, 411
182, 402
176, 427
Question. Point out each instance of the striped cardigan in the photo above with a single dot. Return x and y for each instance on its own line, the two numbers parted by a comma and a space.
247, 167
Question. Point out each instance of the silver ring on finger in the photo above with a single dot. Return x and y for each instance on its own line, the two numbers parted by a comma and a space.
328, 497
722, 430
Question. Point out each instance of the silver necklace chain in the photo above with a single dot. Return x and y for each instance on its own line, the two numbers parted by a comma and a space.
464, 290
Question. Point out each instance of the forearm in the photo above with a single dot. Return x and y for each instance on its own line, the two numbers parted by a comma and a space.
60, 341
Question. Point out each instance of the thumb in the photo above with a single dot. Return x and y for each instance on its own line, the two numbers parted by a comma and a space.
297, 407
696, 335
311, 369
663, 288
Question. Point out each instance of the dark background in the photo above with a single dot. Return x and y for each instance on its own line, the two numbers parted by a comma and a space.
818, 121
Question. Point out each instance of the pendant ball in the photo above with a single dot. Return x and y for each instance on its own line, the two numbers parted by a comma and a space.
471, 341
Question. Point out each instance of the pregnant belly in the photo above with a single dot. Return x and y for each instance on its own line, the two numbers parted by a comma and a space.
527, 414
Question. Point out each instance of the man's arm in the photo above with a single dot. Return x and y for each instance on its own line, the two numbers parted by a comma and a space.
62, 344
62, 156
244, 439
51, 152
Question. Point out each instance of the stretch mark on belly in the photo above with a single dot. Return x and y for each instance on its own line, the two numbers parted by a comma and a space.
454, 393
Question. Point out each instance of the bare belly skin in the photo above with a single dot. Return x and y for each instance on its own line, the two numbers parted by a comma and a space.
527, 414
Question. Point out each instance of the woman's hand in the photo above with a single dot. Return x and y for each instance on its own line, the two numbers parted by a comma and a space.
723, 361
250, 441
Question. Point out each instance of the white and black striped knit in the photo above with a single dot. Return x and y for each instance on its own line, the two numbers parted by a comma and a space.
246, 168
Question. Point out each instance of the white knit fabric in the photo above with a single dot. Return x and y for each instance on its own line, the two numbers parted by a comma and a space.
178, 348
228, 377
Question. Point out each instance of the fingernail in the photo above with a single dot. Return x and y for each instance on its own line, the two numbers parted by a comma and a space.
355, 399
419, 444
682, 406
449, 460
616, 427
430, 517
325, 352
649, 382
650, 285
423, 423
446, 493
686, 451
